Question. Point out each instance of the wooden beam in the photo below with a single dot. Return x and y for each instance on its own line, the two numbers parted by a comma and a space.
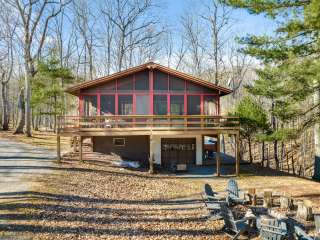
218, 158
237, 154
58, 148
80, 149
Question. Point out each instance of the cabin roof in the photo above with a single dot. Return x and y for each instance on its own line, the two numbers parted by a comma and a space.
75, 89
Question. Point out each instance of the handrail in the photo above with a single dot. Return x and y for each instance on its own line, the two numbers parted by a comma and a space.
146, 122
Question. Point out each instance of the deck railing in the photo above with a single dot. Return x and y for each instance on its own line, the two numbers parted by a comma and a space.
68, 123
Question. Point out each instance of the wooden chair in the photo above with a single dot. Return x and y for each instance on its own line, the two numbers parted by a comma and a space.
272, 229
211, 202
235, 195
237, 227
301, 234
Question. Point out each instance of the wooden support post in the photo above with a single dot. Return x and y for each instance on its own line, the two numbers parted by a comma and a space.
80, 148
151, 157
218, 159
58, 148
75, 143
237, 154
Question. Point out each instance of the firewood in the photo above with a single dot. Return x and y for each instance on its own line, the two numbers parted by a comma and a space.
305, 210
286, 202
267, 199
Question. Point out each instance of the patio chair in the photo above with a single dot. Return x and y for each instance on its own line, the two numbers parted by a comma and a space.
211, 202
301, 234
234, 228
235, 195
273, 229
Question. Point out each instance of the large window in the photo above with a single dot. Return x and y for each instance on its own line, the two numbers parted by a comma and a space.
90, 105
142, 81
125, 106
107, 104
125, 84
142, 104
160, 81
160, 105
194, 105
177, 84
176, 105
209, 106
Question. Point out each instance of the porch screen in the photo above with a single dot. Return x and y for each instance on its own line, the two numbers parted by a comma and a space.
107, 104
160, 82
142, 81
177, 105
90, 105
142, 104
125, 84
125, 105
177, 84
160, 105
210, 106
194, 105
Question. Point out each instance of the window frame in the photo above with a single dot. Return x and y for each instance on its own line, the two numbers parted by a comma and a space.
119, 138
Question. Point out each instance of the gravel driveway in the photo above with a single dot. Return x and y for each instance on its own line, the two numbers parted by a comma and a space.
20, 164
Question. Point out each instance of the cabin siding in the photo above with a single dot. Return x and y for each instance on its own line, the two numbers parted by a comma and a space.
136, 148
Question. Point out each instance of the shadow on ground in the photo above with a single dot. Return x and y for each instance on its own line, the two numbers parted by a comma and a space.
99, 219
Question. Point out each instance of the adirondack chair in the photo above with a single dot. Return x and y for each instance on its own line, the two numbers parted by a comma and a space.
272, 229
211, 202
237, 227
300, 234
235, 195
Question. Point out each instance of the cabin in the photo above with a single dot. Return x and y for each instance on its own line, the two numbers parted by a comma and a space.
151, 114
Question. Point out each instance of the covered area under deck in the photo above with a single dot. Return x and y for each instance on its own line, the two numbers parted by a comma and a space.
160, 130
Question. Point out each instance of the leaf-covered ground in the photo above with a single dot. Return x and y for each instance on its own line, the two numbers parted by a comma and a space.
97, 200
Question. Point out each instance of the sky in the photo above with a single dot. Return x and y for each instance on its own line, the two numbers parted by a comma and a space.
245, 23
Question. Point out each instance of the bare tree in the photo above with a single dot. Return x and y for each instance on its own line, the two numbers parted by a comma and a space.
134, 26
85, 22
35, 19
218, 16
193, 35
7, 33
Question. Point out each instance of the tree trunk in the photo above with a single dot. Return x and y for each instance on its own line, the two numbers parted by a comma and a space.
28, 117
21, 113
316, 133
5, 106
250, 151
262, 154
275, 143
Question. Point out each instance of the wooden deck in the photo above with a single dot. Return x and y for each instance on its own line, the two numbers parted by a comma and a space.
146, 125
125, 125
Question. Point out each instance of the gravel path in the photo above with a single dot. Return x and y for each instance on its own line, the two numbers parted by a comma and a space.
20, 163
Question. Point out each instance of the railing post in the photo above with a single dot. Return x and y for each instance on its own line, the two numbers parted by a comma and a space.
151, 160
218, 159
80, 149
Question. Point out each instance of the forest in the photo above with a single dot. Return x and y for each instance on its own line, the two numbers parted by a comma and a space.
48, 45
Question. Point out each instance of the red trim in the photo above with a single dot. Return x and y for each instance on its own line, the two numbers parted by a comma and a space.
134, 104
201, 104
168, 104
98, 104
151, 79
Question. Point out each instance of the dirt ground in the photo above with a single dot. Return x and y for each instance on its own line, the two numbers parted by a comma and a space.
98, 200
